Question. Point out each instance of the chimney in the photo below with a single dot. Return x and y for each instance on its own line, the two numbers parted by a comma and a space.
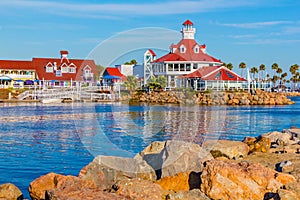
64, 53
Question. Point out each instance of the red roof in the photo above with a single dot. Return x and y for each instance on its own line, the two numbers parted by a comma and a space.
212, 73
188, 22
189, 54
16, 64
152, 52
170, 57
40, 65
64, 52
113, 71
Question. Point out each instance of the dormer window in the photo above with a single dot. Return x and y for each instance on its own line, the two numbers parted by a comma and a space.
49, 68
196, 50
64, 68
182, 49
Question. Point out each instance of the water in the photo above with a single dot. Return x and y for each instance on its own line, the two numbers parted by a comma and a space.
36, 139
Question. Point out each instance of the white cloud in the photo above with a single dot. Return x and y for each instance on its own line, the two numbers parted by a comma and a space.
256, 24
93, 10
269, 41
242, 36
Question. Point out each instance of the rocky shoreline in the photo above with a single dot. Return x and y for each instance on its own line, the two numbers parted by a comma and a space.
265, 167
256, 97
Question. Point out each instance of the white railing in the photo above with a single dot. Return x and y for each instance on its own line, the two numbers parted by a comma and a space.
87, 93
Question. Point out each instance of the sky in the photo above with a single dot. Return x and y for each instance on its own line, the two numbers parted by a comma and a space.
255, 32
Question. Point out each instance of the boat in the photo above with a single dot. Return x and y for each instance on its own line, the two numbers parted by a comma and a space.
51, 100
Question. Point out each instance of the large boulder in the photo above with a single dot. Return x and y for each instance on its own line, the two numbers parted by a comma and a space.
81, 193
276, 136
194, 194
139, 189
9, 191
174, 157
259, 144
231, 180
227, 148
104, 171
51, 181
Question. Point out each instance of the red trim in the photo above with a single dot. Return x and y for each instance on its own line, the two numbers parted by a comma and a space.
188, 22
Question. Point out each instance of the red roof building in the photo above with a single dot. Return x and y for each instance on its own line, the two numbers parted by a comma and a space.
184, 57
189, 59
60, 71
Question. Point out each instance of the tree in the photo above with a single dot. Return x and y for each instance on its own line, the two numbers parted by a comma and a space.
262, 69
293, 69
132, 62
229, 66
283, 76
162, 81
100, 70
242, 66
274, 67
279, 72
131, 83
254, 70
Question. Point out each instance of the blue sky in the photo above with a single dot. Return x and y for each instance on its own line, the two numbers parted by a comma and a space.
255, 32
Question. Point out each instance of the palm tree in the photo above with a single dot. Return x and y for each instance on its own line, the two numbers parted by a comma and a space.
283, 78
131, 83
274, 67
242, 66
254, 70
279, 72
162, 81
229, 66
274, 80
293, 69
262, 69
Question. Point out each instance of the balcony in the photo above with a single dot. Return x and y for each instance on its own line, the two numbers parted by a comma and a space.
88, 76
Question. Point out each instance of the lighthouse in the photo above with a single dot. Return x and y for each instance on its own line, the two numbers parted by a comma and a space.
188, 32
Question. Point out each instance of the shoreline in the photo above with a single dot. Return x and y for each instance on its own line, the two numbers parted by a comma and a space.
273, 152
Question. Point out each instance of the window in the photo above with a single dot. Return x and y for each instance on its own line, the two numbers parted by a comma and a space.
196, 50
182, 49
49, 68
229, 74
188, 67
195, 66
218, 75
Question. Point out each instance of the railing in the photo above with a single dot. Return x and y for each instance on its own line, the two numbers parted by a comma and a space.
84, 93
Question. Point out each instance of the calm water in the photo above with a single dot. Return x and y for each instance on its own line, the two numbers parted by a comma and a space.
36, 139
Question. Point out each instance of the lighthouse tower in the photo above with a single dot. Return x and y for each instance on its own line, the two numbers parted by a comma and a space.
188, 32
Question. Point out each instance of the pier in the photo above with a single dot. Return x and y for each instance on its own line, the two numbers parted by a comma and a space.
93, 93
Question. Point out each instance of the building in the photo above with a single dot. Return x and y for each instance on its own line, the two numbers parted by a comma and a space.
188, 56
52, 72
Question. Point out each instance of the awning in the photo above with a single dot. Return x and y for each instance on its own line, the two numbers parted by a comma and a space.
111, 77
5, 78
28, 82
19, 81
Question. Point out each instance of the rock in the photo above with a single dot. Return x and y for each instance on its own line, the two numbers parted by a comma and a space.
260, 144
287, 195
231, 180
51, 181
139, 189
104, 171
275, 136
175, 157
82, 193
194, 194
286, 166
9, 191
183, 181
226, 148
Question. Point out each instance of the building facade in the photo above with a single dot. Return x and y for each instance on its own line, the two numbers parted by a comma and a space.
53, 72
188, 65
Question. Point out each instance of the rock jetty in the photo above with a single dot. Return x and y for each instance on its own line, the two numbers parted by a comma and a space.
263, 167
257, 97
